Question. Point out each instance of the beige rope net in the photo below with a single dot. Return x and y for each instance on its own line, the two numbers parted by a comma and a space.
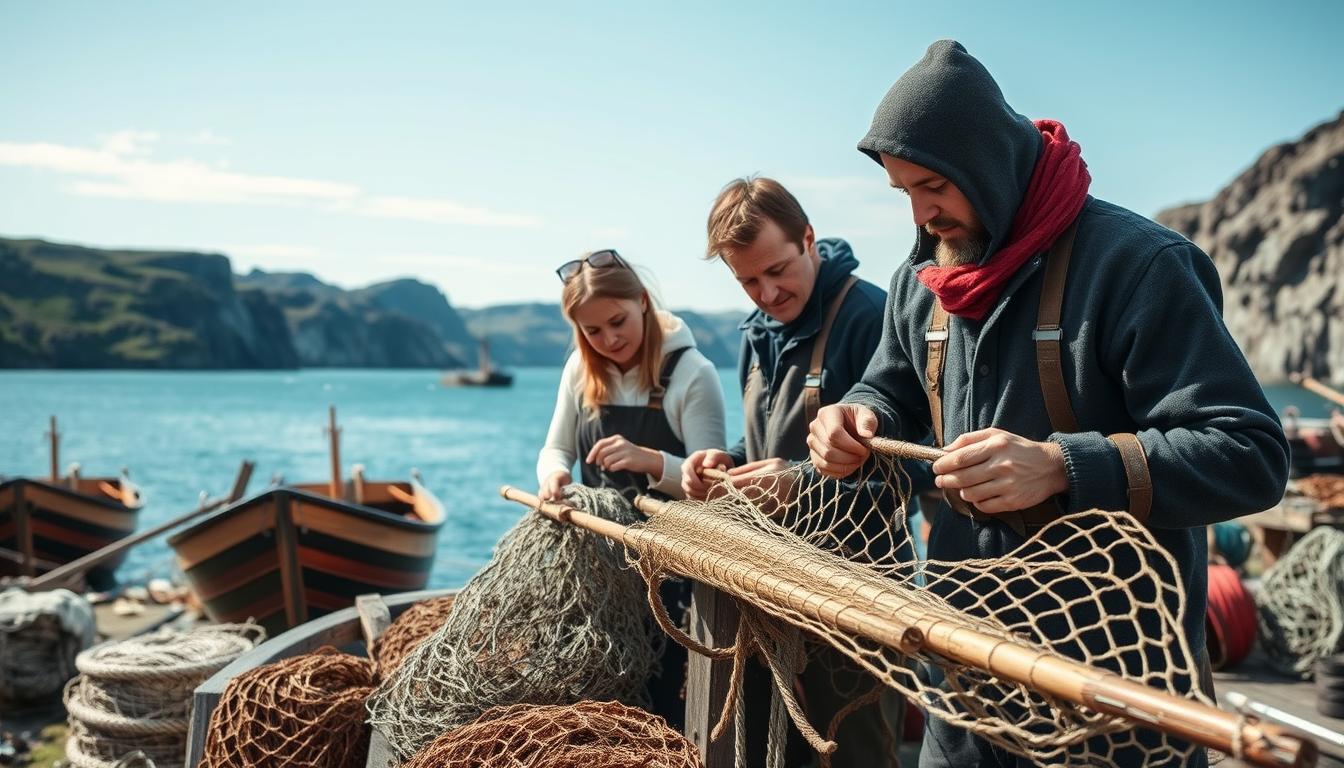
306, 711
1301, 603
1053, 652
409, 630
552, 619
588, 734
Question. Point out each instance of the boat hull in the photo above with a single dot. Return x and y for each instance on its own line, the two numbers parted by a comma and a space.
290, 555
55, 524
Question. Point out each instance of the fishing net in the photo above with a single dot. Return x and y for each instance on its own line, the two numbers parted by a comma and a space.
588, 734
834, 558
1326, 490
40, 636
411, 627
1301, 602
548, 621
136, 694
302, 711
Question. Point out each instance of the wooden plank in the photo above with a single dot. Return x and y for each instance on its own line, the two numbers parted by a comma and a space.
714, 624
340, 628
287, 550
23, 532
374, 617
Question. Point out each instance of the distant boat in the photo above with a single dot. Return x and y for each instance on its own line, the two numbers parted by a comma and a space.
49, 522
486, 375
295, 552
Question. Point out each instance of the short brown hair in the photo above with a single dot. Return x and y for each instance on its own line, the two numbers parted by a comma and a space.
741, 209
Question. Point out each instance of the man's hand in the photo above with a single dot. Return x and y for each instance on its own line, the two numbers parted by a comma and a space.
616, 454
836, 437
554, 487
765, 484
999, 471
691, 480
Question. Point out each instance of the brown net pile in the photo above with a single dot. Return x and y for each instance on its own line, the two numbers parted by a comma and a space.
1094, 588
303, 711
588, 734
552, 619
1326, 490
136, 694
411, 627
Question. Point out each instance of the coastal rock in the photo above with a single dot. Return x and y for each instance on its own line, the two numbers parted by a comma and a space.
1276, 235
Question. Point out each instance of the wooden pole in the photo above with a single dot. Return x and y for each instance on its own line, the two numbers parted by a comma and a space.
1310, 384
335, 433
902, 450
55, 451
68, 572
1043, 671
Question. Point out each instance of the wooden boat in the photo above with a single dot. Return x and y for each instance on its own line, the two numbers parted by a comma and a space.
486, 375
48, 522
295, 552
1313, 445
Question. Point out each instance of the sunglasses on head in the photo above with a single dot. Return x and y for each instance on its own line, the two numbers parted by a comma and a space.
597, 260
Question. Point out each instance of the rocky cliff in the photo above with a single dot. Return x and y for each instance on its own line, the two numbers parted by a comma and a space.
1276, 234
64, 306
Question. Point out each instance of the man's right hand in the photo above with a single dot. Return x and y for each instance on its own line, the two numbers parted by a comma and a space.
837, 438
691, 481
554, 487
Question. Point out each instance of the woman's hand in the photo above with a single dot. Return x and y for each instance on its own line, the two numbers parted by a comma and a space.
554, 487
616, 454
692, 482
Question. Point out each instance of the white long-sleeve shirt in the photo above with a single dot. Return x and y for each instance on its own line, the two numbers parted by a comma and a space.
693, 405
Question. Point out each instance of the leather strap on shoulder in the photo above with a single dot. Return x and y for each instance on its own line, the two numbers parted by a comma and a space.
1137, 478
812, 384
1049, 335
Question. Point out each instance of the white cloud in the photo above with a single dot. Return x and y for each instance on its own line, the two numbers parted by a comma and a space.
118, 170
130, 142
448, 211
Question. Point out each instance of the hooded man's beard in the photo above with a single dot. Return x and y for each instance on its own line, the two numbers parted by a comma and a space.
957, 253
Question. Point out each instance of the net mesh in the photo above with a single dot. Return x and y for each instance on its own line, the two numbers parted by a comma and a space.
303, 711
548, 621
588, 734
411, 627
1094, 588
1301, 603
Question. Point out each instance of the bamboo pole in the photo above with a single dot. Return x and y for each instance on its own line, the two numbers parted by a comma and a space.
1310, 384
1049, 673
335, 491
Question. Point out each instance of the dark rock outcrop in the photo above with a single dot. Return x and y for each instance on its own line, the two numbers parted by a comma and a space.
1276, 234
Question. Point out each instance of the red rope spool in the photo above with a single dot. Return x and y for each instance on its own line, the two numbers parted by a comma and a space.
1229, 622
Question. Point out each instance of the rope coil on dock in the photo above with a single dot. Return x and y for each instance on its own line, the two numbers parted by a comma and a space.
136, 694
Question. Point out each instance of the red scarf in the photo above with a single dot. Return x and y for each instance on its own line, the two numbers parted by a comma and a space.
1054, 197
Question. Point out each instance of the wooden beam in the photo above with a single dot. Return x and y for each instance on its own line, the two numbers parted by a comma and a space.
713, 618
287, 550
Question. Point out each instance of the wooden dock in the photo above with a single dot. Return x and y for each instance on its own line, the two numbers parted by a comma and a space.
1257, 682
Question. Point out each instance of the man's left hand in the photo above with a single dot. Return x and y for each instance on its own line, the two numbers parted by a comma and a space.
999, 471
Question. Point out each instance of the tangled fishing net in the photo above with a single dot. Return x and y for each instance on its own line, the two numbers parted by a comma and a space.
588, 734
40, 636
304, 711
1094, 588
550, 620
1326, 490
411, 627
136, 694
1301, 602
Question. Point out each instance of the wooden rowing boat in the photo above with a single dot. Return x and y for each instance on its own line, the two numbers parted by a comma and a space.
295, 552
48, 522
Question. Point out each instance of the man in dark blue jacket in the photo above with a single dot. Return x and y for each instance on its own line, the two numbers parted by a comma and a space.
1134, 397
815, 328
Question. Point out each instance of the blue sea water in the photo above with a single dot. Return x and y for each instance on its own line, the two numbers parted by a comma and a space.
181, 433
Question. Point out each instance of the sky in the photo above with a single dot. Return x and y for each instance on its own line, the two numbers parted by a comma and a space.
477, 148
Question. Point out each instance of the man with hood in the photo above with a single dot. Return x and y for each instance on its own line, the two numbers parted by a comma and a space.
815, 327
1131, 396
